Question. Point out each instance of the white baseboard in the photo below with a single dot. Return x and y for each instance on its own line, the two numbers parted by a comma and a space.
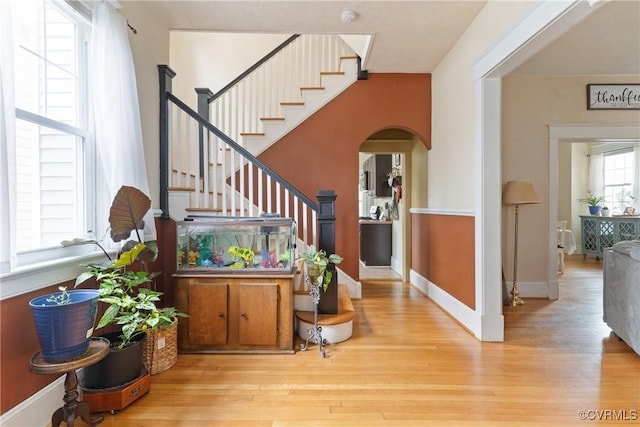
459, 311
531, 289
354, 288
36, 410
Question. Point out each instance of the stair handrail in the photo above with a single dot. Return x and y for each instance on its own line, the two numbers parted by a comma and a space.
241, 150
252, 68
257, 102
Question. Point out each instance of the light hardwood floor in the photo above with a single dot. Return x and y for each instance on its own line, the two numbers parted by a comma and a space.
409, 364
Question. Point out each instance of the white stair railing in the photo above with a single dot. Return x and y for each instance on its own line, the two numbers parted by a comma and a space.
207, 161
235, 183
243, 107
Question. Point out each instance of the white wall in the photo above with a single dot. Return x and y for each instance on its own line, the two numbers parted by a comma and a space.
211, 60
419, 175
451, 159
579, 172
530, 105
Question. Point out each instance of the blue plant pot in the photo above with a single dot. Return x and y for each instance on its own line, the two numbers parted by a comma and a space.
64, 329
595, 210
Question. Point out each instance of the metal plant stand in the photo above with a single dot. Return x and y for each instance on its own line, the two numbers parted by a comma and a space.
314, 332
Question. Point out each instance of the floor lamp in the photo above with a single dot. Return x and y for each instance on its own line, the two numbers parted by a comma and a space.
518, 193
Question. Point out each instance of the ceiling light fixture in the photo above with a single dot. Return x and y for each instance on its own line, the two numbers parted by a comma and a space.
348, 16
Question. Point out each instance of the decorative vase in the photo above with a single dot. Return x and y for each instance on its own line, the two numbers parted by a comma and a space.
606, 212
119, 367
312, 271
64, 329
595, 210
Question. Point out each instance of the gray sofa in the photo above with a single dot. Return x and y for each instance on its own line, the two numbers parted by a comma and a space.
621, 294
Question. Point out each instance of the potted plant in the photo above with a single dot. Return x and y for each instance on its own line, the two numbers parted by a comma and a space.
131, 304
316, 263
594, 202
64, 322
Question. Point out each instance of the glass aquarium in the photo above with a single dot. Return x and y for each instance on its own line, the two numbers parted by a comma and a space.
235, 245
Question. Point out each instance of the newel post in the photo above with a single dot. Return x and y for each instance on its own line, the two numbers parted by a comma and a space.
327, 241
204, 94
165, 74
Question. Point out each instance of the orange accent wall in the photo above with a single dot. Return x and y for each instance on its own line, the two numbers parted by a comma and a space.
322, 152
442, 251
18, 342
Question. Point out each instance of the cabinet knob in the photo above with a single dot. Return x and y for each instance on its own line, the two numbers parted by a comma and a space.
221, 315
243, 314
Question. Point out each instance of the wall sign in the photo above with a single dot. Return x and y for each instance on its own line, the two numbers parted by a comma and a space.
615, 96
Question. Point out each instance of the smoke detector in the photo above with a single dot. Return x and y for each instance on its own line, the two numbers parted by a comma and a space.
348, 16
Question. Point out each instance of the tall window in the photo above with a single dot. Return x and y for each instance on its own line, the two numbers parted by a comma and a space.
53, 155
619, 172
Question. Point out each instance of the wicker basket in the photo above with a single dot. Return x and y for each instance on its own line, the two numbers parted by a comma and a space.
161, 349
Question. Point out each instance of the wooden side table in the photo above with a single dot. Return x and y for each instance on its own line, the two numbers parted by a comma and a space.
72, 408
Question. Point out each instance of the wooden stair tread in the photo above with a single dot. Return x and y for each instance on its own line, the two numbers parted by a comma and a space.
192, 189
203, 209
288, 103
332, 73
271, 118
345, 313
180, 189
251, 133
312, 88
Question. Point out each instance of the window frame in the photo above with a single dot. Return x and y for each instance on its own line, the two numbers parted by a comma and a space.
608, 155
46, 266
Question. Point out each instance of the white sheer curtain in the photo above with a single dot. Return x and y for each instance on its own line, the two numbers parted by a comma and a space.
115, 106
596, 177
7, 141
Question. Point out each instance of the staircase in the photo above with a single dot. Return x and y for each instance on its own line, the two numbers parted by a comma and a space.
212, 167
208, 157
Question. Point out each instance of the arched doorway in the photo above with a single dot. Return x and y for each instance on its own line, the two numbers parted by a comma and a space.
391, 150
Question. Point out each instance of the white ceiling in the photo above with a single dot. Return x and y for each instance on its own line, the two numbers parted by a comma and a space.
413, 36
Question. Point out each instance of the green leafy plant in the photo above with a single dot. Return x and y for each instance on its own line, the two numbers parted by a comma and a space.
317, 262
60, 298
131, 306
592, 200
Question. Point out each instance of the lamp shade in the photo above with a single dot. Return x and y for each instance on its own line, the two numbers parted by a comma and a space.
519, 193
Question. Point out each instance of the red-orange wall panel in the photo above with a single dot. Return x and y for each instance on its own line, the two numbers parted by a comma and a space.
444, 253
322, 152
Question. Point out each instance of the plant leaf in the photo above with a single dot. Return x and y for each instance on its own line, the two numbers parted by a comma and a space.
108, 316
83, 277
128, 257
127, 212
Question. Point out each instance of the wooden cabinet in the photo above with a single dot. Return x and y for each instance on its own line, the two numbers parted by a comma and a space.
376, 168
234, 313
600, 232
375, 243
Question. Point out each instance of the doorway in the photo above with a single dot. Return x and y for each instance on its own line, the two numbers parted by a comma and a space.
383, 205
561, 134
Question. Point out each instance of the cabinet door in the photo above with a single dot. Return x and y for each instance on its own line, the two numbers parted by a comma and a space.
607, 234
589, 236
258, 314
628, 230
382, 167
208, 313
